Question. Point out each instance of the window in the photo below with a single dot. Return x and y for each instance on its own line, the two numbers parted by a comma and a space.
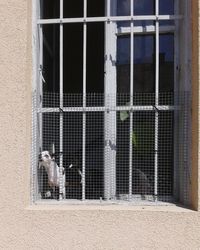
111, 101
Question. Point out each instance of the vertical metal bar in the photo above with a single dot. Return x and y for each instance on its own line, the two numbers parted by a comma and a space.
34, 158
84, 98
107, 164
176, 179
61, 106
112, 91
34, 187
35, 101
110, 100
40, 88
40, 97
156, 104
108, 12
131, 102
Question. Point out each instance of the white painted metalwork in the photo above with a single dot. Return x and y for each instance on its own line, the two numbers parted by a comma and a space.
131, 101
84, 98
109, 19
156, 102
61, 191
149, 29
111, 108
108, 90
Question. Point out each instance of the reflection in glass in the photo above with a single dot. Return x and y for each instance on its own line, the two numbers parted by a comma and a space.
166, 67
123, 7
141, 7
143, 70
166, 7
50, 70
144, 7
144, 64
123, 64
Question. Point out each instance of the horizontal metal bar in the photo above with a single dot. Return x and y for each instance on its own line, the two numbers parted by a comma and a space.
108, 19
146, 29
163, 200
104, 109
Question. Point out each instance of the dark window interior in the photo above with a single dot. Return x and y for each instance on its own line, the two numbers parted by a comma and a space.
73, 51
72, 95
144, 83
52, 11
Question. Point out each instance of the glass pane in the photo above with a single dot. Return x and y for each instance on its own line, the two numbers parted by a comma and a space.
123, 7
166, 67
95, 64
73, 58
144, 64
49, 9
95, 58
123, 69
166, 7
73, 8
144, 69
144, 7
50, 69
141, 7
95, 8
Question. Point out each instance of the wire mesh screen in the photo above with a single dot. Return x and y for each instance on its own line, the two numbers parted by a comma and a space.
143, 138
111, 150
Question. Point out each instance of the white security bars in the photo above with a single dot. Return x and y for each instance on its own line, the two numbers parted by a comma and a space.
112, 112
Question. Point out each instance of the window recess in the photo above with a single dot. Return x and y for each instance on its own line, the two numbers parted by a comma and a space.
110, 107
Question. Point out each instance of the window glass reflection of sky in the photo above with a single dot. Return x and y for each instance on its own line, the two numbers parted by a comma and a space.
141, 7
166, 7
145, 7
167, 47
144, 48
123, 7
123, 50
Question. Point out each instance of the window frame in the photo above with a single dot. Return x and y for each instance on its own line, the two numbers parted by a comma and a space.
109, 19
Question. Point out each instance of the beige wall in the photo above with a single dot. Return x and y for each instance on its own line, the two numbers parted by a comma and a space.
70, 227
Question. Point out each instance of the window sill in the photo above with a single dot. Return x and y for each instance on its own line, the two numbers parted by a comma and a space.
85, 206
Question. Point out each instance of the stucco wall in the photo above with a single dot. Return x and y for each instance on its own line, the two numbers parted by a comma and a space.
70, 227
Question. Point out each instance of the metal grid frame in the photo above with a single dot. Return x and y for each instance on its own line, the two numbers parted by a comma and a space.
110, 89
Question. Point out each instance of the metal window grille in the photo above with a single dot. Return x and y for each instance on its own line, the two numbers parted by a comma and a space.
125, 144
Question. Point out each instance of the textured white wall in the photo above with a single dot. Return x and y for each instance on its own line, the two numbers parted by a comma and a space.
40, 227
